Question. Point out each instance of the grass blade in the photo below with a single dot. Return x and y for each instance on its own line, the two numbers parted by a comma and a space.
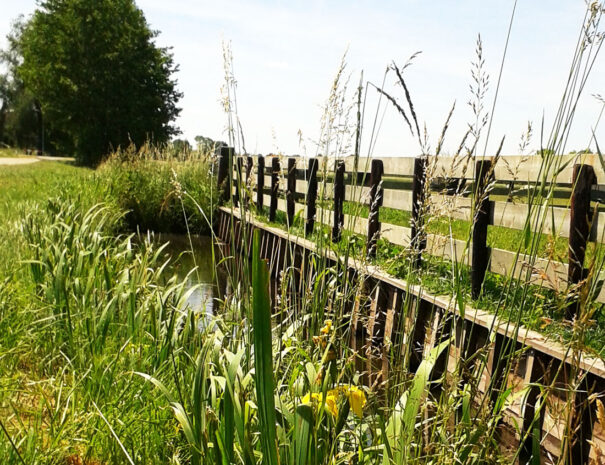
263, 354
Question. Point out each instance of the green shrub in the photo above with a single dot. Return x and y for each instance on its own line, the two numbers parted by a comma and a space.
160, 193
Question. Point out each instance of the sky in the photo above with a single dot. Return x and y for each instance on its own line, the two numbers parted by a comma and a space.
286, 54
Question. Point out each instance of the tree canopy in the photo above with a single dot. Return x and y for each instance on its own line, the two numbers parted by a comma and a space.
20, 123
97, 75
206, 144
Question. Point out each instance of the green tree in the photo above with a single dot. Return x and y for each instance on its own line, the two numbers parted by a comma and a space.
20, 114
98, 76
181, 145
206, 144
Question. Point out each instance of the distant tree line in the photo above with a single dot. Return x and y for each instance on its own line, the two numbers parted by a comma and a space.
83, 77
202, 144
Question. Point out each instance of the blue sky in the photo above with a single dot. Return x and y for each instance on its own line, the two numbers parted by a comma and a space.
286, 55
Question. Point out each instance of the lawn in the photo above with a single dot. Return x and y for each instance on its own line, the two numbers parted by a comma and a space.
497, 236
38, 181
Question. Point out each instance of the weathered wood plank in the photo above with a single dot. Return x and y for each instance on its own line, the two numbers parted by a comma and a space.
481, 252
579, 229
311, 196
508, 168
375, 204
339, 198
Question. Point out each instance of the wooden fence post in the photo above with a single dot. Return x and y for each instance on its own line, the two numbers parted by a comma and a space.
238, 181
483, 207
291, 191
339, 197
532, 411
224, 170
249, 165
260, 183
375, 204
311, 196
418, 242
581, 423
579, 228
511, 188
498, 364
274, 187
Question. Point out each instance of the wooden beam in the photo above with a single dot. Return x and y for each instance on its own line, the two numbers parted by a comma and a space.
375, 204
274, 187
418, 243
224, 168
260, 183
339, 198
481, 252
311, 196
291, 190
580, 217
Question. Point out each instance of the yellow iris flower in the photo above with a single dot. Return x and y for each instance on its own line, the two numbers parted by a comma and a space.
331, 401
356, 397
327, 327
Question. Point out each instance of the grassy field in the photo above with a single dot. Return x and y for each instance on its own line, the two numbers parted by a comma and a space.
23, 183
22, 186
497, 236
83, 306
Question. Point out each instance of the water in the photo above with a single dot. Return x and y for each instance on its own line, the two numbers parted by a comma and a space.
210, 281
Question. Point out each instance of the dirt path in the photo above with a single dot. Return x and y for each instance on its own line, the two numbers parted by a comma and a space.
17, 161
28, 160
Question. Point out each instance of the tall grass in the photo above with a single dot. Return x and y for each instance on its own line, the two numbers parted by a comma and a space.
83, 308
417, 415
104, 309
149, 183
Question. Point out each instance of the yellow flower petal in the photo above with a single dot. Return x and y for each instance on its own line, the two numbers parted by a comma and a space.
600, 412
357, 399
327, 327
331, 405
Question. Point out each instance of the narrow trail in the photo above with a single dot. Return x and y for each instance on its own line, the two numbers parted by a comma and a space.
29, 160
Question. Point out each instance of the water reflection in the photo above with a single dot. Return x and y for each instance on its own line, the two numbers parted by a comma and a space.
210, 281
195, 253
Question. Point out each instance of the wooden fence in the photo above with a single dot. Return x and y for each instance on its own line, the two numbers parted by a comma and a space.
281, 185
294, 190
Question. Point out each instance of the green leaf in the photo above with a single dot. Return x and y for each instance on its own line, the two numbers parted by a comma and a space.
263, 354
402, 423
304, 426
419, 385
